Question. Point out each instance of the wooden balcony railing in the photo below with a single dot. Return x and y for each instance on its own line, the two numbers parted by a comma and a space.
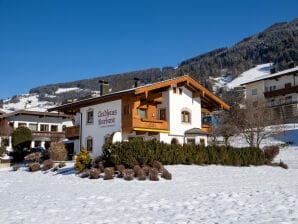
48, 134
72, 132
150, 124
280, 92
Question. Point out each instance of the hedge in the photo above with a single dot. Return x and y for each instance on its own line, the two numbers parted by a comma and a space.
145, 152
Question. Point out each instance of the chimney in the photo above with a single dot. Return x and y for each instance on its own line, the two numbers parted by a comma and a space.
272, 70
137, 82
103, 87
291, 64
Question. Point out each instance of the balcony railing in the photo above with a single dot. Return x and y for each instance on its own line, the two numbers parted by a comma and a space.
72, 132
48, 134
153, 124
280, 92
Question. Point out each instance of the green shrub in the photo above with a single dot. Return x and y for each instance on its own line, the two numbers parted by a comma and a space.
147, 152
83, 160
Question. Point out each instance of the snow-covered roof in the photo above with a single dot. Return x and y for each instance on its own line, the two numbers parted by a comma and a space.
275, 75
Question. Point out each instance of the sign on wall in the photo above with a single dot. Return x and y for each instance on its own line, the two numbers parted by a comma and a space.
107, 117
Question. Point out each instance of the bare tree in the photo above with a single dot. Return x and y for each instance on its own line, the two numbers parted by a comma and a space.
252, 121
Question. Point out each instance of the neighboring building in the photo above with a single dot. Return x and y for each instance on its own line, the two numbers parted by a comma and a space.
280, 92
45, 126
169, 111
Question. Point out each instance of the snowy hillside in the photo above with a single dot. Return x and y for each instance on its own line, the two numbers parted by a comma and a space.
247, 76
26, 101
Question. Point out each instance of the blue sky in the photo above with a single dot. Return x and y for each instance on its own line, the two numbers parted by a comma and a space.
51, 41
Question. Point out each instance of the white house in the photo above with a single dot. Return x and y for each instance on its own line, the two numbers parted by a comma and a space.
169, 111
279, 90
45, 126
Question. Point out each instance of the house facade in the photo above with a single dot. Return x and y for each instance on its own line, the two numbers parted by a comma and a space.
279, 91
169, 111
45, 127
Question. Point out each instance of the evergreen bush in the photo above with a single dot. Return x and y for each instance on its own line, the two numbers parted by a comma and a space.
83, 160
144, 153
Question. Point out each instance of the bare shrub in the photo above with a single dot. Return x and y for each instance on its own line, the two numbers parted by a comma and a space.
57, 151
153, 174
94, 173
120, 168
128, 174
33, 157
34, 167
136, 169
141, 174
47, 164
166, 174
157, 165
109, 173
85, 173
146, 169
271, 152
15, 167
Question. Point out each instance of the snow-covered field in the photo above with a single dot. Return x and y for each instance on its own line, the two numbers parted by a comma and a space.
197, 194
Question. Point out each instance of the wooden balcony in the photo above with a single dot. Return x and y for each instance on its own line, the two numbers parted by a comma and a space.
48, 134
281, 92
150, 125
72, 132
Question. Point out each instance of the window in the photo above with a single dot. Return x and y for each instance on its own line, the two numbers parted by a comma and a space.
272, 102
90, 117
288, 85
174, 89
44, 127
89, 144
33, 127
254, 92
272, 88
191, 141
162, 114
22, 124
54, 128
288, 99
185, 117
180, 91
142, 113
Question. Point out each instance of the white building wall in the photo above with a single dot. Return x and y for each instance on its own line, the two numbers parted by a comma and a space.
260, 89
280, 82
99, 130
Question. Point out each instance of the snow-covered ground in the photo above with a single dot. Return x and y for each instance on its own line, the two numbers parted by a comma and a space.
196, 194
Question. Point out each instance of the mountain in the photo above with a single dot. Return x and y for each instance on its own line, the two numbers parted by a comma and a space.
277, 44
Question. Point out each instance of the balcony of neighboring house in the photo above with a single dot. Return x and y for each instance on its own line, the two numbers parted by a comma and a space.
288, 89
48, 134
72, 132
